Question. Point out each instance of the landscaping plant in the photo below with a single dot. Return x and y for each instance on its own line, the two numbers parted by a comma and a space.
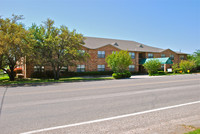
119, 63
152, 66
186, 65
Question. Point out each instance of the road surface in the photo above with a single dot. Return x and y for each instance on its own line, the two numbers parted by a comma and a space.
166, 104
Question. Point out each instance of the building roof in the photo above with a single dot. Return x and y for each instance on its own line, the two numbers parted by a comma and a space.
166, 60
94, 43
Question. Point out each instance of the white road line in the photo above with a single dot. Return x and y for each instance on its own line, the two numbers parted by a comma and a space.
110, 118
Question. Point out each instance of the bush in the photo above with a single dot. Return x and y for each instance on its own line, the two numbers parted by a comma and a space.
49, 74
45, 74
175, 68
125, 74
161, 73
187, 65
152, 66
119, 61
92, 73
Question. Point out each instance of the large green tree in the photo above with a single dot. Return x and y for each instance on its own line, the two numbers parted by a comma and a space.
15, 43
57, 47
119, 61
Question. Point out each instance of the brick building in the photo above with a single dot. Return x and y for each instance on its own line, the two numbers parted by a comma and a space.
100, 48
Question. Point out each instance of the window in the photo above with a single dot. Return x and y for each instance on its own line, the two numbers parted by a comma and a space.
162, 55
81, 68
162, 67
101, 54
131, 68
182, 57
150, 55
113, 52
82, 52
63, 69
172, 57
132, 55
101, 67
38, 68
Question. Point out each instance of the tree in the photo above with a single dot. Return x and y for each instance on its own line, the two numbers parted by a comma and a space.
186, 65
152, 66
14, 44
57, 47
119, 61
195, 57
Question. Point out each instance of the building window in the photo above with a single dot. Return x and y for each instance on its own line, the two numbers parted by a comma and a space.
81, 68
101, 54
101, 67
82, 52
131, 68
162, 67
132, 55
162, 55
38, 68
182, 57
64, 69
150, 55
113, 52
172, 57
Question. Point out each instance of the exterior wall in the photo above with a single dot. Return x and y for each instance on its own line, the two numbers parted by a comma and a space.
29, 70
92, 62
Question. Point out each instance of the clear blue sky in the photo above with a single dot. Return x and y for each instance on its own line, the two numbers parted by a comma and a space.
173, 24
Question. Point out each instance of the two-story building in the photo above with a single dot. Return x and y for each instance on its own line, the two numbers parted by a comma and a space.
100, 48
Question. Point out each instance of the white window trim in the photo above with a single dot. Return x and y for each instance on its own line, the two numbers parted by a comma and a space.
101, 67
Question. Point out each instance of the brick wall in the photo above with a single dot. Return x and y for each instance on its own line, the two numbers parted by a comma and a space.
92, 62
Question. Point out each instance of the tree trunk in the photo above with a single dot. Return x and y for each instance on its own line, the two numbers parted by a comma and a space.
56, 74
11, 74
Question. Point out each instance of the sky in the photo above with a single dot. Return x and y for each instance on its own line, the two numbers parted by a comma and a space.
173, 24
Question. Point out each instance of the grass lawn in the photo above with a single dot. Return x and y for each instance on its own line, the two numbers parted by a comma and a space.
197, 131
4, 80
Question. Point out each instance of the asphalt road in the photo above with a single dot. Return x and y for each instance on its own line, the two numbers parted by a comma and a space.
32, 108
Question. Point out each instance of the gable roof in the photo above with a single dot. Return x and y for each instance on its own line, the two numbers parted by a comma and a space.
94, 43
166, 60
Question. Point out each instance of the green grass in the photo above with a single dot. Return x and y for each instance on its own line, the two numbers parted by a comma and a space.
5, 80
3, 77
197, 131
170, 74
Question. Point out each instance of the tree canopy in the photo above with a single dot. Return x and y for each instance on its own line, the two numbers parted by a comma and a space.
195, 57
57, 47
15, 43
119, 61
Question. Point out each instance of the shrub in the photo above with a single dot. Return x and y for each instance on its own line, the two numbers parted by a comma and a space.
175, 68
119, 61
49, 74
161, 73
187, 65
152, 66
125, 74
92, 73
45, 74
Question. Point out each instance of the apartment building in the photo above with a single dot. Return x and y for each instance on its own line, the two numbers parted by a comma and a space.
100, 48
